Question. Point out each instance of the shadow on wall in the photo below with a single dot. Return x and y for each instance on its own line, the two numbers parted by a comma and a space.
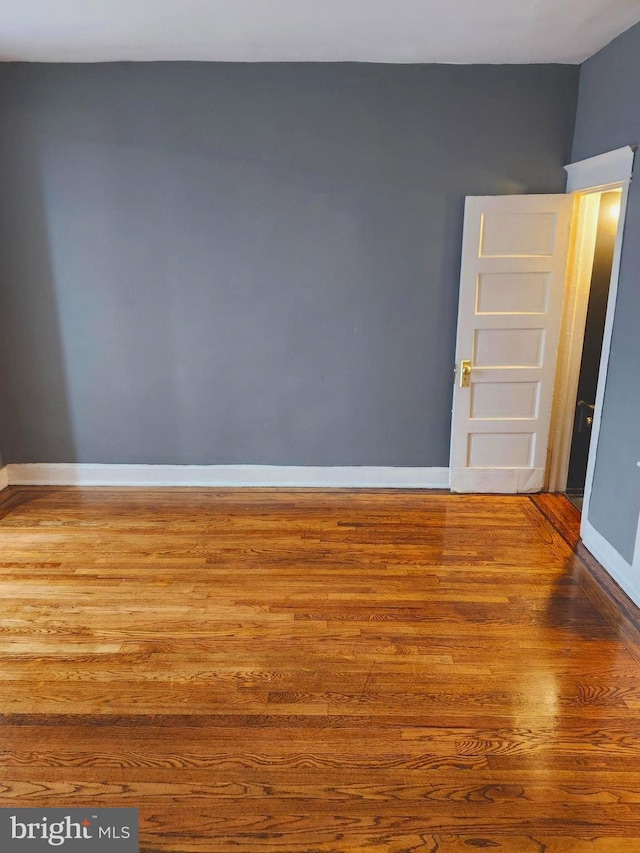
115, 304
36, 424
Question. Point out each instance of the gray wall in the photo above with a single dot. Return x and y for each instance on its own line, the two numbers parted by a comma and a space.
608, 118
219, 263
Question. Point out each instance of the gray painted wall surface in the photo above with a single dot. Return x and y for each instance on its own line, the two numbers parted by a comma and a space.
609, 117
219, 263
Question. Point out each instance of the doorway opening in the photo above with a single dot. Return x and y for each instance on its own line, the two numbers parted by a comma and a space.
605, 217
586, 328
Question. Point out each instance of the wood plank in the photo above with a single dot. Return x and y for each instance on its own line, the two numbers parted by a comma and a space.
287, 671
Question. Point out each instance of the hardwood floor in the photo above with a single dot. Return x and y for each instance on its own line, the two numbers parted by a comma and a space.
307, 672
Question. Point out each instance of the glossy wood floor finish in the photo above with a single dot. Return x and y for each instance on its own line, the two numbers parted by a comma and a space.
307, 672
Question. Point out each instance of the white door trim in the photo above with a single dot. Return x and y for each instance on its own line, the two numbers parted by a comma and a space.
612, 168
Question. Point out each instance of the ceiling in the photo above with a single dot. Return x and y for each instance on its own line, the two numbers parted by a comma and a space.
458, 31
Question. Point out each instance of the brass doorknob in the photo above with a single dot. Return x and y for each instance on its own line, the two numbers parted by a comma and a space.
465, 373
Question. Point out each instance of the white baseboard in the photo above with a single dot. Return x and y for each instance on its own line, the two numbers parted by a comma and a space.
4, 478
614, 563
356, 477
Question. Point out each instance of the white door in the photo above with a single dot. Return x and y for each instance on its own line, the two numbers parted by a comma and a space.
514, 259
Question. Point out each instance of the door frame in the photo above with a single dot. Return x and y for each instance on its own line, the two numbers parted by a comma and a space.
585, 179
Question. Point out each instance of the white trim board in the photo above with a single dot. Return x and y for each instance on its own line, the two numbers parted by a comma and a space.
4, 478
612, 167
604, 171
607, 336
285, 476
